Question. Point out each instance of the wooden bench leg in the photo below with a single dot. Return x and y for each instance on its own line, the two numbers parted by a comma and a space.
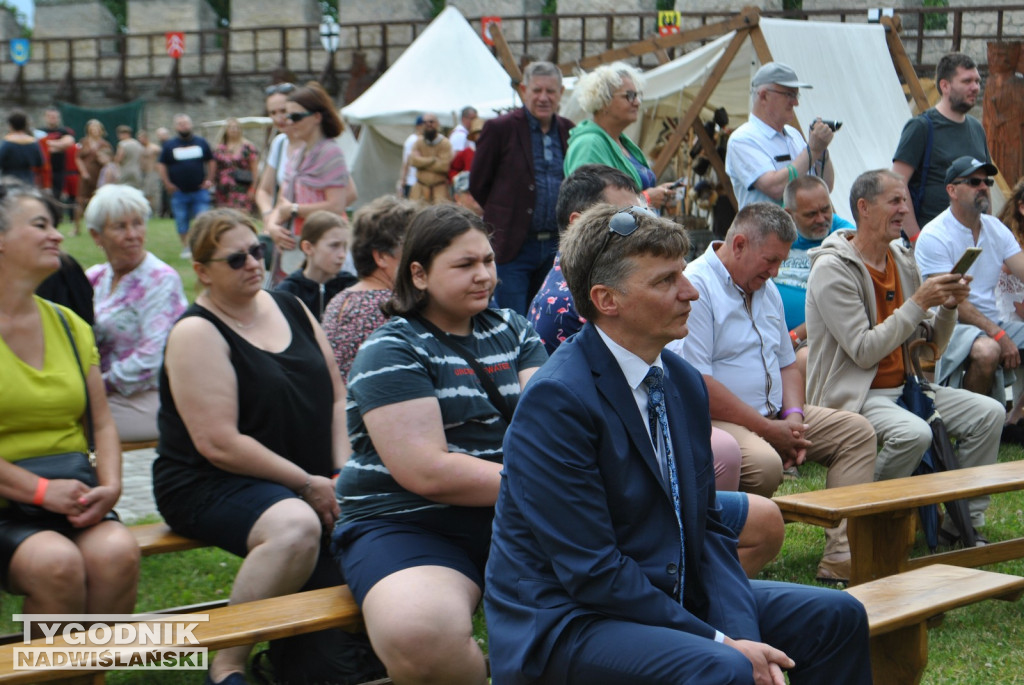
879, 544
899, 657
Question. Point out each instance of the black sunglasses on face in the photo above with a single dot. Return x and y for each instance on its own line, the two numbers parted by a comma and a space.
975, 181
278, 88
237, 260
296, 117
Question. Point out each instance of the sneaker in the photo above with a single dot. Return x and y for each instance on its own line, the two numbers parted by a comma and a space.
185, 253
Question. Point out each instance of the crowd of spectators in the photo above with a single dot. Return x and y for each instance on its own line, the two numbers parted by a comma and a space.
354, 403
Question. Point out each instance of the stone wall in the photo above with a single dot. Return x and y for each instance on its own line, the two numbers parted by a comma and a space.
8, 26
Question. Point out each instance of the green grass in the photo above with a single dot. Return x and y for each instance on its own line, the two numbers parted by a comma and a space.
983, 643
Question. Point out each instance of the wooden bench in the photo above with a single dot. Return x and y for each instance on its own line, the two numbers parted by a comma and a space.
902, 607
143, 445
881, 517
229, 626
899, 610
158, 538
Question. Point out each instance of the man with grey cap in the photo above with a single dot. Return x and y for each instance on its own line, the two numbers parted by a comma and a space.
982, 344
765, 154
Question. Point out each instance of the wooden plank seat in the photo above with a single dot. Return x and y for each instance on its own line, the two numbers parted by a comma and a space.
881, 517
901, 608
228, 626
158, 538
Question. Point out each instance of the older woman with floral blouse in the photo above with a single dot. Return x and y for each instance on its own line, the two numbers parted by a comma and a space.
137, 298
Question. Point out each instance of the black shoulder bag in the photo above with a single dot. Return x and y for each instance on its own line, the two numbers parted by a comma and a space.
493, 394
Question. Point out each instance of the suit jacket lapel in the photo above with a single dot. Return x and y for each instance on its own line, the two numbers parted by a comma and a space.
613, 387
525, 141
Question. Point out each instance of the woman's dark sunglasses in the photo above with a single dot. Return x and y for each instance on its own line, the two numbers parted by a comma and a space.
975, 182
236, 260
279, 88
296, 117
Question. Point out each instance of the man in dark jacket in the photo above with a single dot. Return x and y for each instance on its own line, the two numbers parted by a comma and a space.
515, 177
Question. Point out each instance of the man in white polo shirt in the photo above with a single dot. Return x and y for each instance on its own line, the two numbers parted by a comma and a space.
982, 344
765, 154
739, 341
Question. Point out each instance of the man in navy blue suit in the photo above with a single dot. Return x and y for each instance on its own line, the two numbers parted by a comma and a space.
609, 563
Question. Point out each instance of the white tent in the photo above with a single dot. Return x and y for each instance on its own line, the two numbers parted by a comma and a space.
446, 68
849, 66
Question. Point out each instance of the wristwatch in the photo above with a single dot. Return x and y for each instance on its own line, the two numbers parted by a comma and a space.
295, 210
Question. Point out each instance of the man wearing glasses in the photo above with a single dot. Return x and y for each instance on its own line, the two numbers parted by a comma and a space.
609, 561
766, 153
982, 344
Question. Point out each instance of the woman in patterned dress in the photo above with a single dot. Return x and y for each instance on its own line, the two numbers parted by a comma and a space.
237, 164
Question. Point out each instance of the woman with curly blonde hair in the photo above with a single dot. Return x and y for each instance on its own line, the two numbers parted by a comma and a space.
612, 94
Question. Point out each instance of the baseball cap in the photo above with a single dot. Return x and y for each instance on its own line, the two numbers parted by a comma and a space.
419, 120
967, 165
778, 73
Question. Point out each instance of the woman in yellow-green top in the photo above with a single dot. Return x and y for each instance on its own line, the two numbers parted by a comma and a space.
87, 562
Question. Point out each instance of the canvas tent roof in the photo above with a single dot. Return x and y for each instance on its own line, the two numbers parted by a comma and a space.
849, 66
446, 68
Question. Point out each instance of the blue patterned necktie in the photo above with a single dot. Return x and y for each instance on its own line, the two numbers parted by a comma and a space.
659, 427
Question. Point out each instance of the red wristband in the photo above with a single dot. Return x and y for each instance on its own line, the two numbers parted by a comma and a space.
41, 486
791, 410
999, 336
792, 335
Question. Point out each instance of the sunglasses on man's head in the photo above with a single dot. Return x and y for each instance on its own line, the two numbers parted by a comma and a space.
975, 182
296, 117
236, 260
624, 222
279, 88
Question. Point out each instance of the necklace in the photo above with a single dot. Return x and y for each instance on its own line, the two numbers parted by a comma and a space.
238, 324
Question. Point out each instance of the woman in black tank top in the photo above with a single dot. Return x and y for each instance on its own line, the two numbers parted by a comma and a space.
248, 422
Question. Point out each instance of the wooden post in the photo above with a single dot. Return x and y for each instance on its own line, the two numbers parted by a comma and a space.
748, 17
505, 54
902, 62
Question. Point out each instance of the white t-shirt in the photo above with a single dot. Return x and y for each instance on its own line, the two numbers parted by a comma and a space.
410, 176
459, 139
277, 156
944, 239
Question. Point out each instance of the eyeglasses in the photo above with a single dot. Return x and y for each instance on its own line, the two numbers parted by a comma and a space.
282, 88
785, 93
975, 182
236, 260
296, 117
632, 96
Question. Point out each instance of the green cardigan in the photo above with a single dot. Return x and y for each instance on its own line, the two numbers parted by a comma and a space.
590, 144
